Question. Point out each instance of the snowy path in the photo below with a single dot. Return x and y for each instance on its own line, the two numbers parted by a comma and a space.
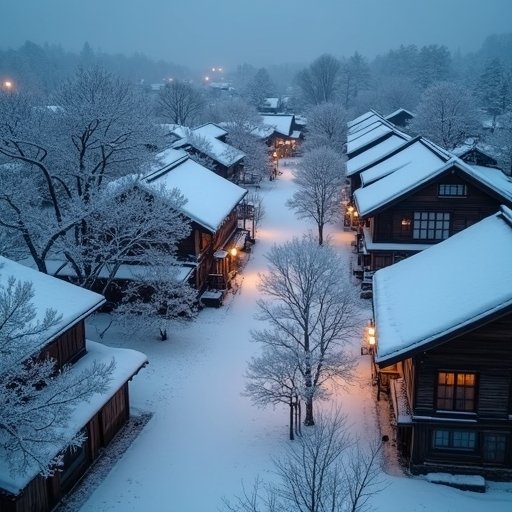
204, 437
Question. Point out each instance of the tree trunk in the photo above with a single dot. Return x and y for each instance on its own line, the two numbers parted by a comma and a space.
320, 234
308, 420
292, 437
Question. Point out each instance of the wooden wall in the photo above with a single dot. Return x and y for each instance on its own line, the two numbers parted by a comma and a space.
464, 211
42, 494
68, 347
487, 352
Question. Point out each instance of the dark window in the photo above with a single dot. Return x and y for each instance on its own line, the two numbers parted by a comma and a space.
454, 440
456, 391
452, 190
431, 226
494, 447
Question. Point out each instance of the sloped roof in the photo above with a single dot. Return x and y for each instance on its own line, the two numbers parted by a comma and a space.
360, 118
363, 125
380, 150
210, 197
282, 123
214, 148
379, 131
398, 112
127, 363
424, 298
210, 130
418, 153
72, 302
414, 174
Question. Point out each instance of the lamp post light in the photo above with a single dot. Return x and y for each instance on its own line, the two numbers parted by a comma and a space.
7, 85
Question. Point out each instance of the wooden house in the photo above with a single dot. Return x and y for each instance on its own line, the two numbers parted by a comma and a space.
208, 142
369, 133
211, 208
400, 117
284, 136
419, 196
443, 334
100, 418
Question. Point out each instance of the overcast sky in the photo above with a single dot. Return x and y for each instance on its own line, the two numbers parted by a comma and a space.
205, 33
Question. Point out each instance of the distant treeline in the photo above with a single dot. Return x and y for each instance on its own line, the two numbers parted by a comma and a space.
42, 68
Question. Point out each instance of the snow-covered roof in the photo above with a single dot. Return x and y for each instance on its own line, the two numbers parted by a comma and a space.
210, 130
360, 118
378, 132
72, 302
214, 148
166, 158
363, 125
364, 159
372, 246
210, 197
271, 102
397, 112
415, 155
127, 363
494, 178
424, 298
281, 123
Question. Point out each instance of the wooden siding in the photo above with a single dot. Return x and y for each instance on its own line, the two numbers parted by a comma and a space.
114, 414
68, 347
42, 494
464, 211
487, 352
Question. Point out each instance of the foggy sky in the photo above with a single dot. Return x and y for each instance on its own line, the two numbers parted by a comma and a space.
205, 33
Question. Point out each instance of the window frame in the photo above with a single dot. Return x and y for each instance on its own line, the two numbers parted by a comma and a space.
458, 392
455, 440
433, 225
445, 189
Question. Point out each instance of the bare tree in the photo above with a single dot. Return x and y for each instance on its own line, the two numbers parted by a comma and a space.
319, 177
36, 400
310, 314
180, 103
319, 82
274, 378
327, 126
446, 114
324, 471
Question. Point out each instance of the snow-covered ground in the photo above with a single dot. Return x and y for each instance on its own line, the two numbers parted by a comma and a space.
205, 438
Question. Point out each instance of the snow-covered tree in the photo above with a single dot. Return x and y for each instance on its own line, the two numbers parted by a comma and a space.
155, 298
501, 140
180, 103
434, 64
319, 178
327, 126
325, 470
66, 155
242, 122
259, 88
309, 311
130, 225
354, 77
446, 114
320, 81
36, 398
494, 89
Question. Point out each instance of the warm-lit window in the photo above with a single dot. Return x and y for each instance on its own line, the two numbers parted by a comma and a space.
452, 190
456, 391
454, 440
431, 225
